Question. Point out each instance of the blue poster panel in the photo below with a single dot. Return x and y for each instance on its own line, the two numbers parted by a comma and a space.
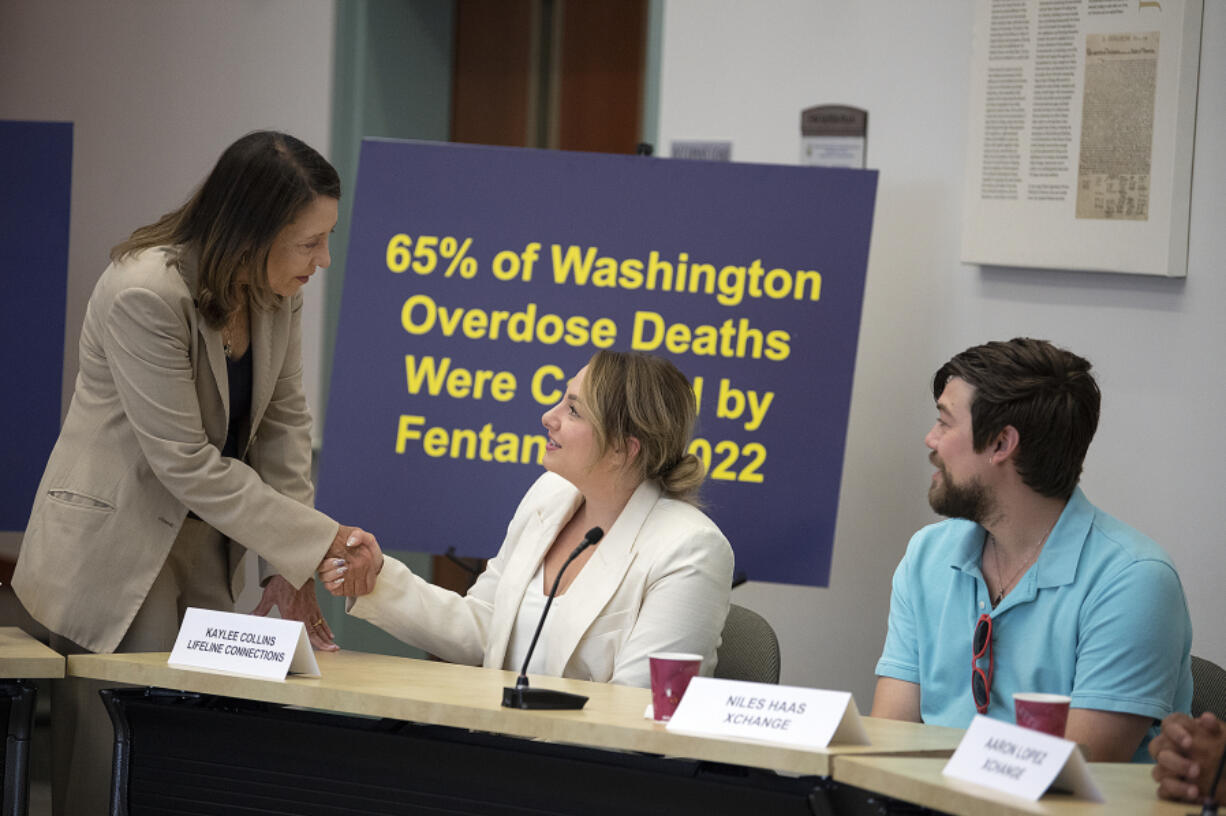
36, 179
480, 279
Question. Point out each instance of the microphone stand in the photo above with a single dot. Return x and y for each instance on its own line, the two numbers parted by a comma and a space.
523, 696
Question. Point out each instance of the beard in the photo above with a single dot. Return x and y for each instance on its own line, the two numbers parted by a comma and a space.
970, 501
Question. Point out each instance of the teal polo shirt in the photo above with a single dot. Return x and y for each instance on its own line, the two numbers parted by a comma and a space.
1100, 616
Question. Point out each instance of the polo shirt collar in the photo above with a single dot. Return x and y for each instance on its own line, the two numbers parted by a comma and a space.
1057, 563
967, 555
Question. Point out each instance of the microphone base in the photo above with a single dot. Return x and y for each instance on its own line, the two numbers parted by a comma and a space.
534, 698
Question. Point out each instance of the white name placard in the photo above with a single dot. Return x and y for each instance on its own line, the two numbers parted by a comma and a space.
243, 644
781, 715
1020, 762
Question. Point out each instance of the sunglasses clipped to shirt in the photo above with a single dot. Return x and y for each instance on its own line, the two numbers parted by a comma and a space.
981, 648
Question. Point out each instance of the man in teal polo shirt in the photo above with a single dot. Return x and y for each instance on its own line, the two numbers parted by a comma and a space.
1028, 587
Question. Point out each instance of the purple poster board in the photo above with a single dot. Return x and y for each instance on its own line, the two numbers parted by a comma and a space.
36, 180
469, 259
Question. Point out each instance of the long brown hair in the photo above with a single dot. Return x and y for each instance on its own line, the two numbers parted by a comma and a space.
260, 184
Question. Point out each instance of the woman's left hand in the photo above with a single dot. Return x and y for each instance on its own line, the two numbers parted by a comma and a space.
299, 605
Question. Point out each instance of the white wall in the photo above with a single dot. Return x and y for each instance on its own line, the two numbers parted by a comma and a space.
743, 72
156, 89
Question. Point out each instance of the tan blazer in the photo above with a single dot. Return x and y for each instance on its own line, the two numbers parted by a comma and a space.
660, 580
141, 445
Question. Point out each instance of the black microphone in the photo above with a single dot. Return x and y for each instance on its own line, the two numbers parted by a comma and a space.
522, 696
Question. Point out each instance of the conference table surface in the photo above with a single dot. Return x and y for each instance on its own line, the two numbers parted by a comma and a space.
469, 697
1127, 787
22, 657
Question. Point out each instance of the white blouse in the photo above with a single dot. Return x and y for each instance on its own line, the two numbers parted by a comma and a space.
526, 621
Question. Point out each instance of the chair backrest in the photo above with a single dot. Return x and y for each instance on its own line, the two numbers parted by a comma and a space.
1208, 688
750, 650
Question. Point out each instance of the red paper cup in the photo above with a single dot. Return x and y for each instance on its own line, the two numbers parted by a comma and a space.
671, 673
1042, 712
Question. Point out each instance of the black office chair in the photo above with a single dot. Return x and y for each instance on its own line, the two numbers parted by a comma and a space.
1208, 688
750, 650
17, 698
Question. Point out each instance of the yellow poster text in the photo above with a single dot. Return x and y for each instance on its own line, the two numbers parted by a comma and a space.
727, 461
731, 339
485, 445
737, 403
730, 284
436, 377
421, 315
724, 460
734, 338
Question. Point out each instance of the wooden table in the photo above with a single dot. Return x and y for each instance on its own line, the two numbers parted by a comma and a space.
380, 734
23, 657
1128, 789
467, 697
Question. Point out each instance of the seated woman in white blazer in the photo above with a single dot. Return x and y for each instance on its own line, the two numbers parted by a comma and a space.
658, 581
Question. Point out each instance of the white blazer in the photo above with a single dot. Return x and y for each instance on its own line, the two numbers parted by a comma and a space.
659, 580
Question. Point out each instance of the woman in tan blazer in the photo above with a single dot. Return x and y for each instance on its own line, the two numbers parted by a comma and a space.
659, 579
187, 442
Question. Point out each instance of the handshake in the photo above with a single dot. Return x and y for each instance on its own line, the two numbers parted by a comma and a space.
351, 563
348, 568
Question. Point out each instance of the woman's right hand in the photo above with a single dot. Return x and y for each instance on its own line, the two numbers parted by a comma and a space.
352, 563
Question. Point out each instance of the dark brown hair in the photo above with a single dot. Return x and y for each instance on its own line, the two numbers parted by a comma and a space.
1046, 393
260, 184
648, 398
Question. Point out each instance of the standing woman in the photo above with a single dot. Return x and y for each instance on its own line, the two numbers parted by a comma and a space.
187, 442
658, 581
